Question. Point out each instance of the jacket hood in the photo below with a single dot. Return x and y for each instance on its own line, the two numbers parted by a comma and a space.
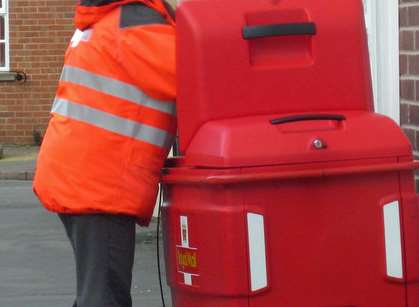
88, 12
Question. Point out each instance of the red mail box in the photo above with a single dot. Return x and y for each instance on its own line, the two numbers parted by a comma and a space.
223, 74
291, 191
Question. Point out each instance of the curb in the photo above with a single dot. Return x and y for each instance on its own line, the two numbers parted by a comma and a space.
147, 236
27, 176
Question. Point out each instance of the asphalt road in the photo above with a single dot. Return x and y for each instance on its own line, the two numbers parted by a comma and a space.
36, 261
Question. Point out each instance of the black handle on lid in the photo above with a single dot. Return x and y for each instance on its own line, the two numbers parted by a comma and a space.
308, 28
303, 117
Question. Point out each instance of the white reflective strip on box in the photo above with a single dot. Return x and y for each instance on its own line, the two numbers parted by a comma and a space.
184, 231
184, 238
113, 123
393, 244
187, 279
257, 251
115, 88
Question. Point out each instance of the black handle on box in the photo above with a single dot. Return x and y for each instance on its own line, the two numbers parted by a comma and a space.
307, 28
303, 117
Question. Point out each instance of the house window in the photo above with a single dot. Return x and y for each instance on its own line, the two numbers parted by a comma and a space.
4, 36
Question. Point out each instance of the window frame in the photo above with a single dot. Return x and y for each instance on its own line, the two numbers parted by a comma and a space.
382, 20
5, 13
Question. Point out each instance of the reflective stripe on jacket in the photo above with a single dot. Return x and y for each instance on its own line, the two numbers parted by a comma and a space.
113, 118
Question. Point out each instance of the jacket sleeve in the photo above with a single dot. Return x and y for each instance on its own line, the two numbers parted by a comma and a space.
147, 54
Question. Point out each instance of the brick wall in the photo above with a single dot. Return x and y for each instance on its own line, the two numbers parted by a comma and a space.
39, 33
409, 70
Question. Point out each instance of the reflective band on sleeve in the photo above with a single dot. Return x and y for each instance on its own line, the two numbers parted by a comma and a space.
113, 123
115, 88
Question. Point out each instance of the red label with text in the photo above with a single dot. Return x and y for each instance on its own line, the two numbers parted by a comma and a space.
187, 260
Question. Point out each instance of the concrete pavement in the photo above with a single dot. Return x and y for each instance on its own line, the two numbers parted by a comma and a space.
36, 262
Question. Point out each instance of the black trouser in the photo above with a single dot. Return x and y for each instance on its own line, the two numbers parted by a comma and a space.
104, 248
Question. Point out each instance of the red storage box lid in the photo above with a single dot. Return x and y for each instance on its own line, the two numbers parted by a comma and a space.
255, 141
247, 57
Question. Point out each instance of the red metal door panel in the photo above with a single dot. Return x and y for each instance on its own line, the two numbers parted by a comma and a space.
215, 238
326, 241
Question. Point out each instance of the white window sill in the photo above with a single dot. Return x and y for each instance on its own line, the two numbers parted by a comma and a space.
12, 76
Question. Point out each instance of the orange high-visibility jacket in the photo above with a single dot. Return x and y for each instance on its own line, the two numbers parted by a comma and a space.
113, 118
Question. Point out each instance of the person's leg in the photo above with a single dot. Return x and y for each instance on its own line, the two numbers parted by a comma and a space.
104, 251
